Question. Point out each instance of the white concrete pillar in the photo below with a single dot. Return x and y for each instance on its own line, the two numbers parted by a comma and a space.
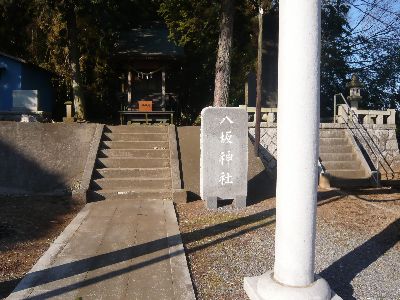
246, 92
298, 140
271, 118
342, 114
392, 117
297, 158
354, 103
163, 88
130, 80
379, 119
368, 119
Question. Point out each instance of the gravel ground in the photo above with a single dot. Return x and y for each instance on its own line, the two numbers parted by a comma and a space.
357, 246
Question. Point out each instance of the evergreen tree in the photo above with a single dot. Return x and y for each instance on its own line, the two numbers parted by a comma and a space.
335, 51
223, 64
359, 36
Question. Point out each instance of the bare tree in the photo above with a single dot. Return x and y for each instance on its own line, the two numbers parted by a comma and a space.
259, 78
260, 6
374, 25
375, 36
79, 104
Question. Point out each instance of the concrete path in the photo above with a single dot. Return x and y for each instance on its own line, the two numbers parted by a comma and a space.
119, 249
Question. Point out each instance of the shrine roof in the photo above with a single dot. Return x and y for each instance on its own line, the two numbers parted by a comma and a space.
147, 42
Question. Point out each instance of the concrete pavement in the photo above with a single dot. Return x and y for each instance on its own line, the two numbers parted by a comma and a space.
119, 249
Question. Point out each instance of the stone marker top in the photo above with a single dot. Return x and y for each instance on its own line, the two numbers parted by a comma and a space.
223, 162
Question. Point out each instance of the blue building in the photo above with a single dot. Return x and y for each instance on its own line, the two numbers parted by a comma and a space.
17, 74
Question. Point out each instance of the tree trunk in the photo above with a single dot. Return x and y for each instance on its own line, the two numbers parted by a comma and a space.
259, 82
223, 64
79, 103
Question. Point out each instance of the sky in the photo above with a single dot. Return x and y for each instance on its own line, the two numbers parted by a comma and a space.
374, 16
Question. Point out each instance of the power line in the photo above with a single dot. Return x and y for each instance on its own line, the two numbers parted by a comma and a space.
381, 8
376, 19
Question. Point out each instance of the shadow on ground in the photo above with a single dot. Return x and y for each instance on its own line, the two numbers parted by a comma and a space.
7, 286
344, 270
339, 274
80, 266
361, 193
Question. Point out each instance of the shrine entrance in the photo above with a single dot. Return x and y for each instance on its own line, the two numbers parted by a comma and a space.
149, 67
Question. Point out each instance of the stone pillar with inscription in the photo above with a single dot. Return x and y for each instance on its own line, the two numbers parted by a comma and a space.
223, 159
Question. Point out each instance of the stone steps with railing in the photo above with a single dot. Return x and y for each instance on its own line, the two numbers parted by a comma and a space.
342, 164
361, 124
372, 135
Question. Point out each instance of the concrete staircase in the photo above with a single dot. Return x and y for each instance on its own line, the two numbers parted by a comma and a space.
133, 162
341, 161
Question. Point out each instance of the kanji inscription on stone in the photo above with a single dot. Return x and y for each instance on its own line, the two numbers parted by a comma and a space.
223, 159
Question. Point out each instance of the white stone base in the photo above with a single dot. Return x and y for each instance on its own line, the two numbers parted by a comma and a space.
265, 287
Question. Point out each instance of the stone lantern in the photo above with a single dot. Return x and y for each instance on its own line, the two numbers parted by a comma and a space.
355, 91
69, 117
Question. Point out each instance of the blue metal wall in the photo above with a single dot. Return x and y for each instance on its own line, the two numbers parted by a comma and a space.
21, 76
10, 80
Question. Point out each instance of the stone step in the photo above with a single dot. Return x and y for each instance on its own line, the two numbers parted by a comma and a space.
132, 162
134, 153
116, 194
337, 157
132, 172
156, 145
333, 141
334, 133
341, 165
350, 182
139, 137
137, 129
131, 183
348, 173
335, 149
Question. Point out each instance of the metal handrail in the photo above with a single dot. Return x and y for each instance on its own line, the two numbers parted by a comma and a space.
358, 126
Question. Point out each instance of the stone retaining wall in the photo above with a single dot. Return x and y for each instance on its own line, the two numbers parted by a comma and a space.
268, 147
43, 158
381, 141
381, 138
